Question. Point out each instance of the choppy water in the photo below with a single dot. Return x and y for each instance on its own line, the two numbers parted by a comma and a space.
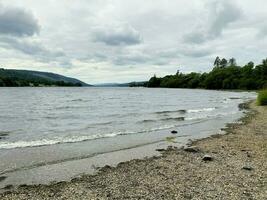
45, 126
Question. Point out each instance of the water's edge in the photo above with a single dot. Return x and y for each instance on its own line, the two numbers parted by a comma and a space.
113, 159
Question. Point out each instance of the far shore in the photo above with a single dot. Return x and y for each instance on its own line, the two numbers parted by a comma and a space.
228, 166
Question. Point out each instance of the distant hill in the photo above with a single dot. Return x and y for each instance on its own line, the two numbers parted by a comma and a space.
112, 85
22, 78
131, 84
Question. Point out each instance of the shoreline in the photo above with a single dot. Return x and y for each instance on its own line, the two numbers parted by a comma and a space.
174, 164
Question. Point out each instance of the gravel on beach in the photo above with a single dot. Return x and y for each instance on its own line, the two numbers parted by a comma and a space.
230, 166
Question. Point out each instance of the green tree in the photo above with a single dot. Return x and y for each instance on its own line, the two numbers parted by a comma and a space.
232, 62
217, 62
223, 63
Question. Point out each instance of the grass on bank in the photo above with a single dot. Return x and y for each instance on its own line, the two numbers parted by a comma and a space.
262, 98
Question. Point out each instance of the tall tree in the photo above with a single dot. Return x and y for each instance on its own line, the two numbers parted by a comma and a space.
217, 62
232, 62
223, 63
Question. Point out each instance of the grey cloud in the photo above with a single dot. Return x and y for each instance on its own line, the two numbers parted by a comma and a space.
262, 32
221, 14
148, 57
130, 59
120, 35
17, 22
109, 36
30, 48
195, 37
196, 53
225, 13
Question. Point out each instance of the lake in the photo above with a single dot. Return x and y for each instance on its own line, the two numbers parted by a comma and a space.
53, 134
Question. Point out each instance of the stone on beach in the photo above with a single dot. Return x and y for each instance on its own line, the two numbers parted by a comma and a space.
160, 150
207, 158
247, 167
192, 149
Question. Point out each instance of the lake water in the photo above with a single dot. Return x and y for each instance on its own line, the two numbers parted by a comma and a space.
51, 134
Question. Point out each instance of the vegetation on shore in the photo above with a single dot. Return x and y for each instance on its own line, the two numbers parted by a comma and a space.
25, 78
226, 74
262, 98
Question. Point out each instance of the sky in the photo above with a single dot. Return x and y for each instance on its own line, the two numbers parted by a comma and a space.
107, 41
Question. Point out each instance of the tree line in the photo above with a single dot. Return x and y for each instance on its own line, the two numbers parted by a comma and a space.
226, 74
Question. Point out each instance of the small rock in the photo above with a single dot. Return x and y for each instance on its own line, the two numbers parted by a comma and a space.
207, 158
23, 186
160, 150
106, 168
192, 149
174, 132
245, 150
249, 168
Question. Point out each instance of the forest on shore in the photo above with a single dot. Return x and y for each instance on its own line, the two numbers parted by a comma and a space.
226, 74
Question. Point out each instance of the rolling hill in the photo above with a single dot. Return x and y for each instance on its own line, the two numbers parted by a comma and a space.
16, 78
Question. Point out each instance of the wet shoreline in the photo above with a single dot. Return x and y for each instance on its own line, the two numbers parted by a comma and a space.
231, 158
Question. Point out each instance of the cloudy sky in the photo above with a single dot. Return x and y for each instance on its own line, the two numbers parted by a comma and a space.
101, 41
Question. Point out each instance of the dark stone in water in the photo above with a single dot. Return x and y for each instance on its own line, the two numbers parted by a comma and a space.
174, 132
207, 158
2, 178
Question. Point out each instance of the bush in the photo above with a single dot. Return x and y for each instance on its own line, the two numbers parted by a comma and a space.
262, 98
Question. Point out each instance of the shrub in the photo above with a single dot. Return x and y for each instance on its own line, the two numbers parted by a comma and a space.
262, 98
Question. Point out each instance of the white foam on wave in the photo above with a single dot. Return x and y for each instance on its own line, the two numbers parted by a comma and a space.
210, 116
47, 142
73, 139
76, 139
201, 110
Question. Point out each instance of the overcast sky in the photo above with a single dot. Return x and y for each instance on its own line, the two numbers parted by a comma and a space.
101, 41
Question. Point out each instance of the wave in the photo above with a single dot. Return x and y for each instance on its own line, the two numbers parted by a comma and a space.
147, 121
75, 139
76, 100
187, 111
171, 111
4, 133
210, 116
174, 118
99, 124
48, 142
69, 107
201, 110
164, 119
